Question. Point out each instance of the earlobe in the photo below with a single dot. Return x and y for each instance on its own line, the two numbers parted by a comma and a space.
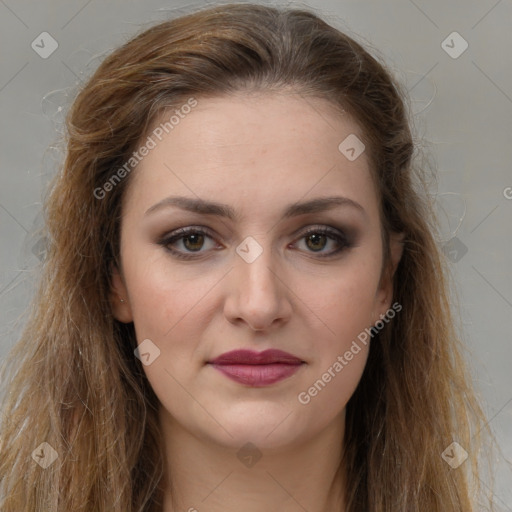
121, 309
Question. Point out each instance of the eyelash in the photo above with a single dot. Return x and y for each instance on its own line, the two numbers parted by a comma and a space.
181, 233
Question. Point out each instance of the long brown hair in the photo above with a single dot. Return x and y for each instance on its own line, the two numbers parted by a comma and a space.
75, 383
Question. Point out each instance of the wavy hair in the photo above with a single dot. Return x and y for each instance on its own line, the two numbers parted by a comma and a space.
72, 378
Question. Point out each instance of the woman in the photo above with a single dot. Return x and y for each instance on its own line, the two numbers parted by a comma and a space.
243, 305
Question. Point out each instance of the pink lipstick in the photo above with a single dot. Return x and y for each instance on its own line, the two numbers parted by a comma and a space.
257, 368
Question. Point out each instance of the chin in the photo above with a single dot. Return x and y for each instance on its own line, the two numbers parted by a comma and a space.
272, 427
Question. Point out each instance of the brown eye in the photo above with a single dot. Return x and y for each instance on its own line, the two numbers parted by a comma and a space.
318, 238
195, 240
192, 240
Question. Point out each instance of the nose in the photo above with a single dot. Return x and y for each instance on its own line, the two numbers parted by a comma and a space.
258, 293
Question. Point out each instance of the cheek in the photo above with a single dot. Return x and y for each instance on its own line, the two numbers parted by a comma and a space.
326, 395
345, 308
162, 295
345, 302
170, 311
342, 341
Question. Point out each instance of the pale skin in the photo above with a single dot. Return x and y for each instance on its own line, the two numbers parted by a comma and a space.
255, 154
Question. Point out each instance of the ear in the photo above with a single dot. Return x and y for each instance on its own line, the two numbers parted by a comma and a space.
385, 291
121, 310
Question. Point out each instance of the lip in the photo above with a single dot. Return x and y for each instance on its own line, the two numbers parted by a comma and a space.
257, 368
271, 356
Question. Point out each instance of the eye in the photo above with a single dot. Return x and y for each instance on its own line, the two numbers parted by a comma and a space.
192, 240
317, 237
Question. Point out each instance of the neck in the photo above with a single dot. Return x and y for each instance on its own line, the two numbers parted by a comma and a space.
204, 475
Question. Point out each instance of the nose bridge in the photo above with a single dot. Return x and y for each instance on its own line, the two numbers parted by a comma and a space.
257, 294
255, 266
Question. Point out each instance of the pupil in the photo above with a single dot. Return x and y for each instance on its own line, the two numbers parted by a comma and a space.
197, 240
189, 237
317, 237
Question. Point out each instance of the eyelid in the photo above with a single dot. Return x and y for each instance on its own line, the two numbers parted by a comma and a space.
182, 232
186, 230
338, 235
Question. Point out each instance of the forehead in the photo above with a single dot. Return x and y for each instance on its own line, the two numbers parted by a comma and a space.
254, 147
276, 120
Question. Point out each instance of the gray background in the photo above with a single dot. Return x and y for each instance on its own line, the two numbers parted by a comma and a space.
462, 114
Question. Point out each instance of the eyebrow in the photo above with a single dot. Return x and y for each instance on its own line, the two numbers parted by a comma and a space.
204, 207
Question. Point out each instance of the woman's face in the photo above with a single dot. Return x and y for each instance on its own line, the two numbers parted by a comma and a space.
263, 277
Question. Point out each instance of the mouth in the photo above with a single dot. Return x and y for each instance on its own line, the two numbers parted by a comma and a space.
257, 369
